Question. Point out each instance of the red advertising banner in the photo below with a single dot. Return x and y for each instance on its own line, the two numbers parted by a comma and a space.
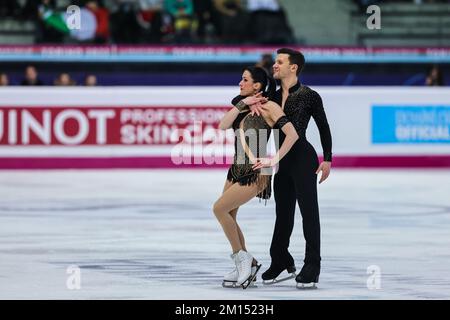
136, 125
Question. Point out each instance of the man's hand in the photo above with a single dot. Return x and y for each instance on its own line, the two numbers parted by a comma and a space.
325, 167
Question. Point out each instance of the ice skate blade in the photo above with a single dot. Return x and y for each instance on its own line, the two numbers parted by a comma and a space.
274, 281
250, 280
234, 285
307, 286
229, 284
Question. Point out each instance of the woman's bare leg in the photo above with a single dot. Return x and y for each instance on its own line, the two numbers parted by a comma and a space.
233, 198
233, 214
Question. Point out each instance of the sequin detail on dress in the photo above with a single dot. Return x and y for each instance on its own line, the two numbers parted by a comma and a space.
251, 135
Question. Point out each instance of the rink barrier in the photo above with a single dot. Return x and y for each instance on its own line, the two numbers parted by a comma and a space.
123, 127
216, 54
166, 163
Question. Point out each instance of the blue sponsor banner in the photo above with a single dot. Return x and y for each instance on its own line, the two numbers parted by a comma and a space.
410, 124
214, 54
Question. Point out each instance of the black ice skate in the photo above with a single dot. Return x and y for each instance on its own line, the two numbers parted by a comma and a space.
271, 274
308, 277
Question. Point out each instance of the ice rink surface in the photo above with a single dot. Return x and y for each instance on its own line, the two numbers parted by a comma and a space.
151, 234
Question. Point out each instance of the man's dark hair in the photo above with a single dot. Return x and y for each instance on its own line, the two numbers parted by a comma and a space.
295, 57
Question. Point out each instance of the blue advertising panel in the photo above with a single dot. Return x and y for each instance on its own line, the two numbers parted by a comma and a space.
410, 124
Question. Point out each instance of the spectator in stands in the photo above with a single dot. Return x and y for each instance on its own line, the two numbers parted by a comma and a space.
435, 77
182, 13
9, 8
268, 23
233, 20
4, 80
30, 10
207, 20
266, 63
102, 16
124, 25
31, 77
150, 18
64, 80
90, 80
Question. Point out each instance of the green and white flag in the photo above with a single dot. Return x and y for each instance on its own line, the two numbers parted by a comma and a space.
55, 20
59, 21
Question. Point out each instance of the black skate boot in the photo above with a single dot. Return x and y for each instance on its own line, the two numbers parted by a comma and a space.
271, 274
308, 276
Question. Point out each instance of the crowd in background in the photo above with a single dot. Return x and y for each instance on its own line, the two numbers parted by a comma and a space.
156, 21
434, 76
161, 22
31, 78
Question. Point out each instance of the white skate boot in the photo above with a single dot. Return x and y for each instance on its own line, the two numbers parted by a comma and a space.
231, 278
244, 262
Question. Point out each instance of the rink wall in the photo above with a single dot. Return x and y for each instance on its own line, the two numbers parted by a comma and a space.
175, 127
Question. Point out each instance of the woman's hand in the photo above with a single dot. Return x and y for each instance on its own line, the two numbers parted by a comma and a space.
255, 99
263, 163
256, 108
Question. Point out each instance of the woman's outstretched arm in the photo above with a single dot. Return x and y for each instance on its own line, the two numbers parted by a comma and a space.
227, 120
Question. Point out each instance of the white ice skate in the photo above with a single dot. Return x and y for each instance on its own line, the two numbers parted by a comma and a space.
231, 278
244, 262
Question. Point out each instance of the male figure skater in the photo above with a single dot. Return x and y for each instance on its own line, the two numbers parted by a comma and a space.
296, 179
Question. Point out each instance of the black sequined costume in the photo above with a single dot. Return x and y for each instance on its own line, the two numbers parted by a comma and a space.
296, 179
251, 134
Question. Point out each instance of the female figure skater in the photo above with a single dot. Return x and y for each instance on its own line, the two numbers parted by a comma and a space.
245, 178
